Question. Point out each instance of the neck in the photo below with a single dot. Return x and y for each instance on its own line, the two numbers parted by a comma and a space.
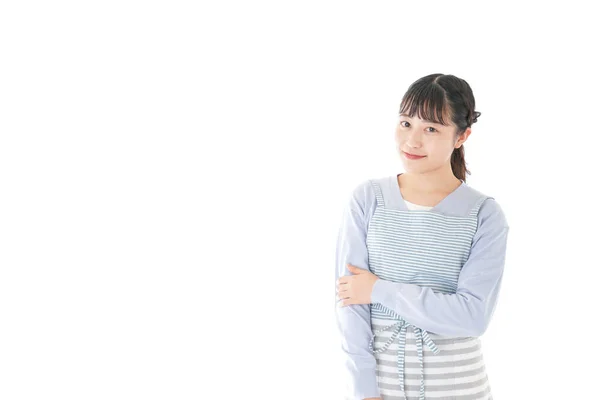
436, 181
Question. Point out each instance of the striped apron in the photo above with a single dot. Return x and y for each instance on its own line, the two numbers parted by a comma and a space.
425, 248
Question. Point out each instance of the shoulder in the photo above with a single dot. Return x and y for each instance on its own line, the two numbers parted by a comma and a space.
362, 193
366, 189
490, 211
363, 199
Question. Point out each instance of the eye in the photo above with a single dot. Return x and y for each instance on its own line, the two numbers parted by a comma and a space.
429, 127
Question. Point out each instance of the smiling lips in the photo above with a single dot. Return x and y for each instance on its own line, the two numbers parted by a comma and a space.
412, 156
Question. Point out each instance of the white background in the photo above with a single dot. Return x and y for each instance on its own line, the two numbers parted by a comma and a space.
172, 177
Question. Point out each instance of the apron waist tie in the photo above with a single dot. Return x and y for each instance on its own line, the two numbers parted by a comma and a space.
421, 335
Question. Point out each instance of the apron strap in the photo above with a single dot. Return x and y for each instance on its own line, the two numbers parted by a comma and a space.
475, 209
422, 337
378, 193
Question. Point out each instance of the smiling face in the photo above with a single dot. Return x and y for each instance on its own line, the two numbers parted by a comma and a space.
434, 141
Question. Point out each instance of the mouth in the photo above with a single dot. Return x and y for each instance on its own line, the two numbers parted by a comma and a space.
412, 156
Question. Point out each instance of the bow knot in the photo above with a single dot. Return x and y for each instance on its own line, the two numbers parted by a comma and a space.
400, 330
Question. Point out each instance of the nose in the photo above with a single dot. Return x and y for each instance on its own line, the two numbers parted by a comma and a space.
414, 139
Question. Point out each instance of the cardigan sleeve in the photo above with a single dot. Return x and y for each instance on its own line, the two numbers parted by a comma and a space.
468, 311
353, 321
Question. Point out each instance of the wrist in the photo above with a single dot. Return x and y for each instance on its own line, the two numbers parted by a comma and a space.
381, 291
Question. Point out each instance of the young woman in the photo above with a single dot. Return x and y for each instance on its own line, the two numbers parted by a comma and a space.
420, 258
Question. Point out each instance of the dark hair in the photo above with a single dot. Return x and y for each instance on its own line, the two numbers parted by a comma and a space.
437, 98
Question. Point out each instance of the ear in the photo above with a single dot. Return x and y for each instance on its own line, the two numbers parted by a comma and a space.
463, 138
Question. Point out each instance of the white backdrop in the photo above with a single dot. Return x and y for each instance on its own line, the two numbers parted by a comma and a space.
173, 176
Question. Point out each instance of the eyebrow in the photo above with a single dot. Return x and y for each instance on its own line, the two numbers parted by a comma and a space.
425, 120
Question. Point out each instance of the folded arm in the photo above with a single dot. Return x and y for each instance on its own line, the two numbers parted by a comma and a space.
468, 311
354, 321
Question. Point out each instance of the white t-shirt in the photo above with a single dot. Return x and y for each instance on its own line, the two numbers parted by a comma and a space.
413, 206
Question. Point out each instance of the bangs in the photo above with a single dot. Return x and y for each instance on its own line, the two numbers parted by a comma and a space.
428, 102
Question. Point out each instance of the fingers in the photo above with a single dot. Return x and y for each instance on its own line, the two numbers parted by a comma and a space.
343, 282
344, 302
343, 293
342, 287
343, 296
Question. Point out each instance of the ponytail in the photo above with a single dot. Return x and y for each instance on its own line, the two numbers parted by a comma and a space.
459, 166
457, 160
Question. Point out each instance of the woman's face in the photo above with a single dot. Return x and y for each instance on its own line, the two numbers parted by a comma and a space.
434, 141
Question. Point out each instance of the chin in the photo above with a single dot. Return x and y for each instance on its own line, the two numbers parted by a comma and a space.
415, 167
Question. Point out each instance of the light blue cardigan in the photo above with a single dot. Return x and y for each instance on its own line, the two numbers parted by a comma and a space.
472, 305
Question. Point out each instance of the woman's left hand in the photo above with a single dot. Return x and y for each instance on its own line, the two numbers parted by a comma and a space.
356, 288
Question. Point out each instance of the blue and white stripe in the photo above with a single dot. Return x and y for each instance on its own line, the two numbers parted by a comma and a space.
426, 248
